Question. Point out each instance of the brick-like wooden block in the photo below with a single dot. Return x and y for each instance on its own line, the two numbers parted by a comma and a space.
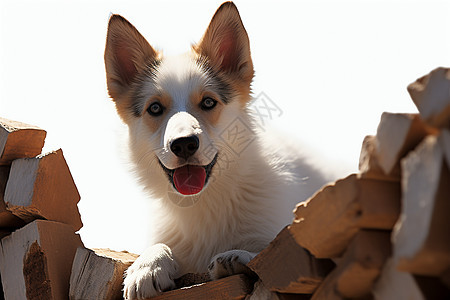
286, 267
393, 284
233, 287
19, 140
397, 134
36, 260
326, 223
369, 165
431, 95
42, 187
98, 274
8, 221
422, 236
362, 263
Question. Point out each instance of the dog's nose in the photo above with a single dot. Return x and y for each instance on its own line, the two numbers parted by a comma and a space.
185, 147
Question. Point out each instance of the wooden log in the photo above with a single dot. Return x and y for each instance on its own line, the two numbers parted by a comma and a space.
98, 274
362, 263
369, 165
327, 222
19, 140
393, 285
43, 187
8, 221
233, 287
422, 237
36, 260
430, 94
286, 267
397, 134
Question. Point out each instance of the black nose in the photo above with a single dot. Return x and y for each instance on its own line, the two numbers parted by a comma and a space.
185, 147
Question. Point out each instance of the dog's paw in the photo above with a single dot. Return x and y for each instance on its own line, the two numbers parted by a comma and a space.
151, 274
230, 263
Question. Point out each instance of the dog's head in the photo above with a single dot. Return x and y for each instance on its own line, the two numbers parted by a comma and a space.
175, 107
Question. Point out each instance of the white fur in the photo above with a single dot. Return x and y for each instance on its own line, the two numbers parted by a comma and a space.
255, 182
249, 198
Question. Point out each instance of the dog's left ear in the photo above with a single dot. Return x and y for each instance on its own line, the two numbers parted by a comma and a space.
226, 44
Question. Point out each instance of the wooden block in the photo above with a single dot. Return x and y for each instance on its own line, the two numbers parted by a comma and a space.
327, 222
98, 274
191, 279
369, 166
398, 134
327, 290
19, 140
233, 287
8, 221
36, 260
445, 144
421, 236
43, 187
393, 285
430, 94
286, 267
362, 263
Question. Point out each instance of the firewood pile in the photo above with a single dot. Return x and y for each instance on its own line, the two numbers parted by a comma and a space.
383, 233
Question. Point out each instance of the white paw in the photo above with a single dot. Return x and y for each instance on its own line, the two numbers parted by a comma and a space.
151, 274
230, 263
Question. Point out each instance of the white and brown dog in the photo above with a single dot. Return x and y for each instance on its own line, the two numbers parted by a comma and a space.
222, 191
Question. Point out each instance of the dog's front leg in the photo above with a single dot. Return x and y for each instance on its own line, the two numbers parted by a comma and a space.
152, 273
230, 263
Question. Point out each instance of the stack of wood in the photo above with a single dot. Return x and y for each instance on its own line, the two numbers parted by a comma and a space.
383, 233
38, 216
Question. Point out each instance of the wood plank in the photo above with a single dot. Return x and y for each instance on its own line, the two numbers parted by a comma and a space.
300, 273
325, 224
98, 274
430, 94
42, 187
397, 134
394, 285
369, 165
421, 237
362, 263
233, 287
36, 260
19, 140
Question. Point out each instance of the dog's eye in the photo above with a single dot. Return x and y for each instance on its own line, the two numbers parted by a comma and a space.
208, 103
155, 109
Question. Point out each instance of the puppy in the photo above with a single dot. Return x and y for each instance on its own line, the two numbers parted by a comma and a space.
221, 190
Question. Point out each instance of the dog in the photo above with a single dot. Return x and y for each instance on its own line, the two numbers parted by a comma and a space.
221, 189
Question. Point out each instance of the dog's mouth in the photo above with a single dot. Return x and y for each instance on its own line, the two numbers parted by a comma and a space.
189, 179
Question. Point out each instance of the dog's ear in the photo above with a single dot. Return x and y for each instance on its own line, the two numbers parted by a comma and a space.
126, 54
226, 44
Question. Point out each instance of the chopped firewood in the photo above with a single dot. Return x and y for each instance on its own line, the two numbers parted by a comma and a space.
43, 188
233, 287
326, 223
398, 134
393, 284
98, 274
19, 140
430, 94
362, 262
421, 237
369, 165
36, 260
301, 273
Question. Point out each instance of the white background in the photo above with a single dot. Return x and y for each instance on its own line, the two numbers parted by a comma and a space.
332, 68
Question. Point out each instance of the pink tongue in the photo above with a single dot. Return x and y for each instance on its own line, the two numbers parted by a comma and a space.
189, 180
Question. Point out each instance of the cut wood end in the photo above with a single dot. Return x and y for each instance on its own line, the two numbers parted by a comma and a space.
11, 126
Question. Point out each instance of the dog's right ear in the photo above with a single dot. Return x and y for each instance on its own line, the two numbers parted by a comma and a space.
126, 54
